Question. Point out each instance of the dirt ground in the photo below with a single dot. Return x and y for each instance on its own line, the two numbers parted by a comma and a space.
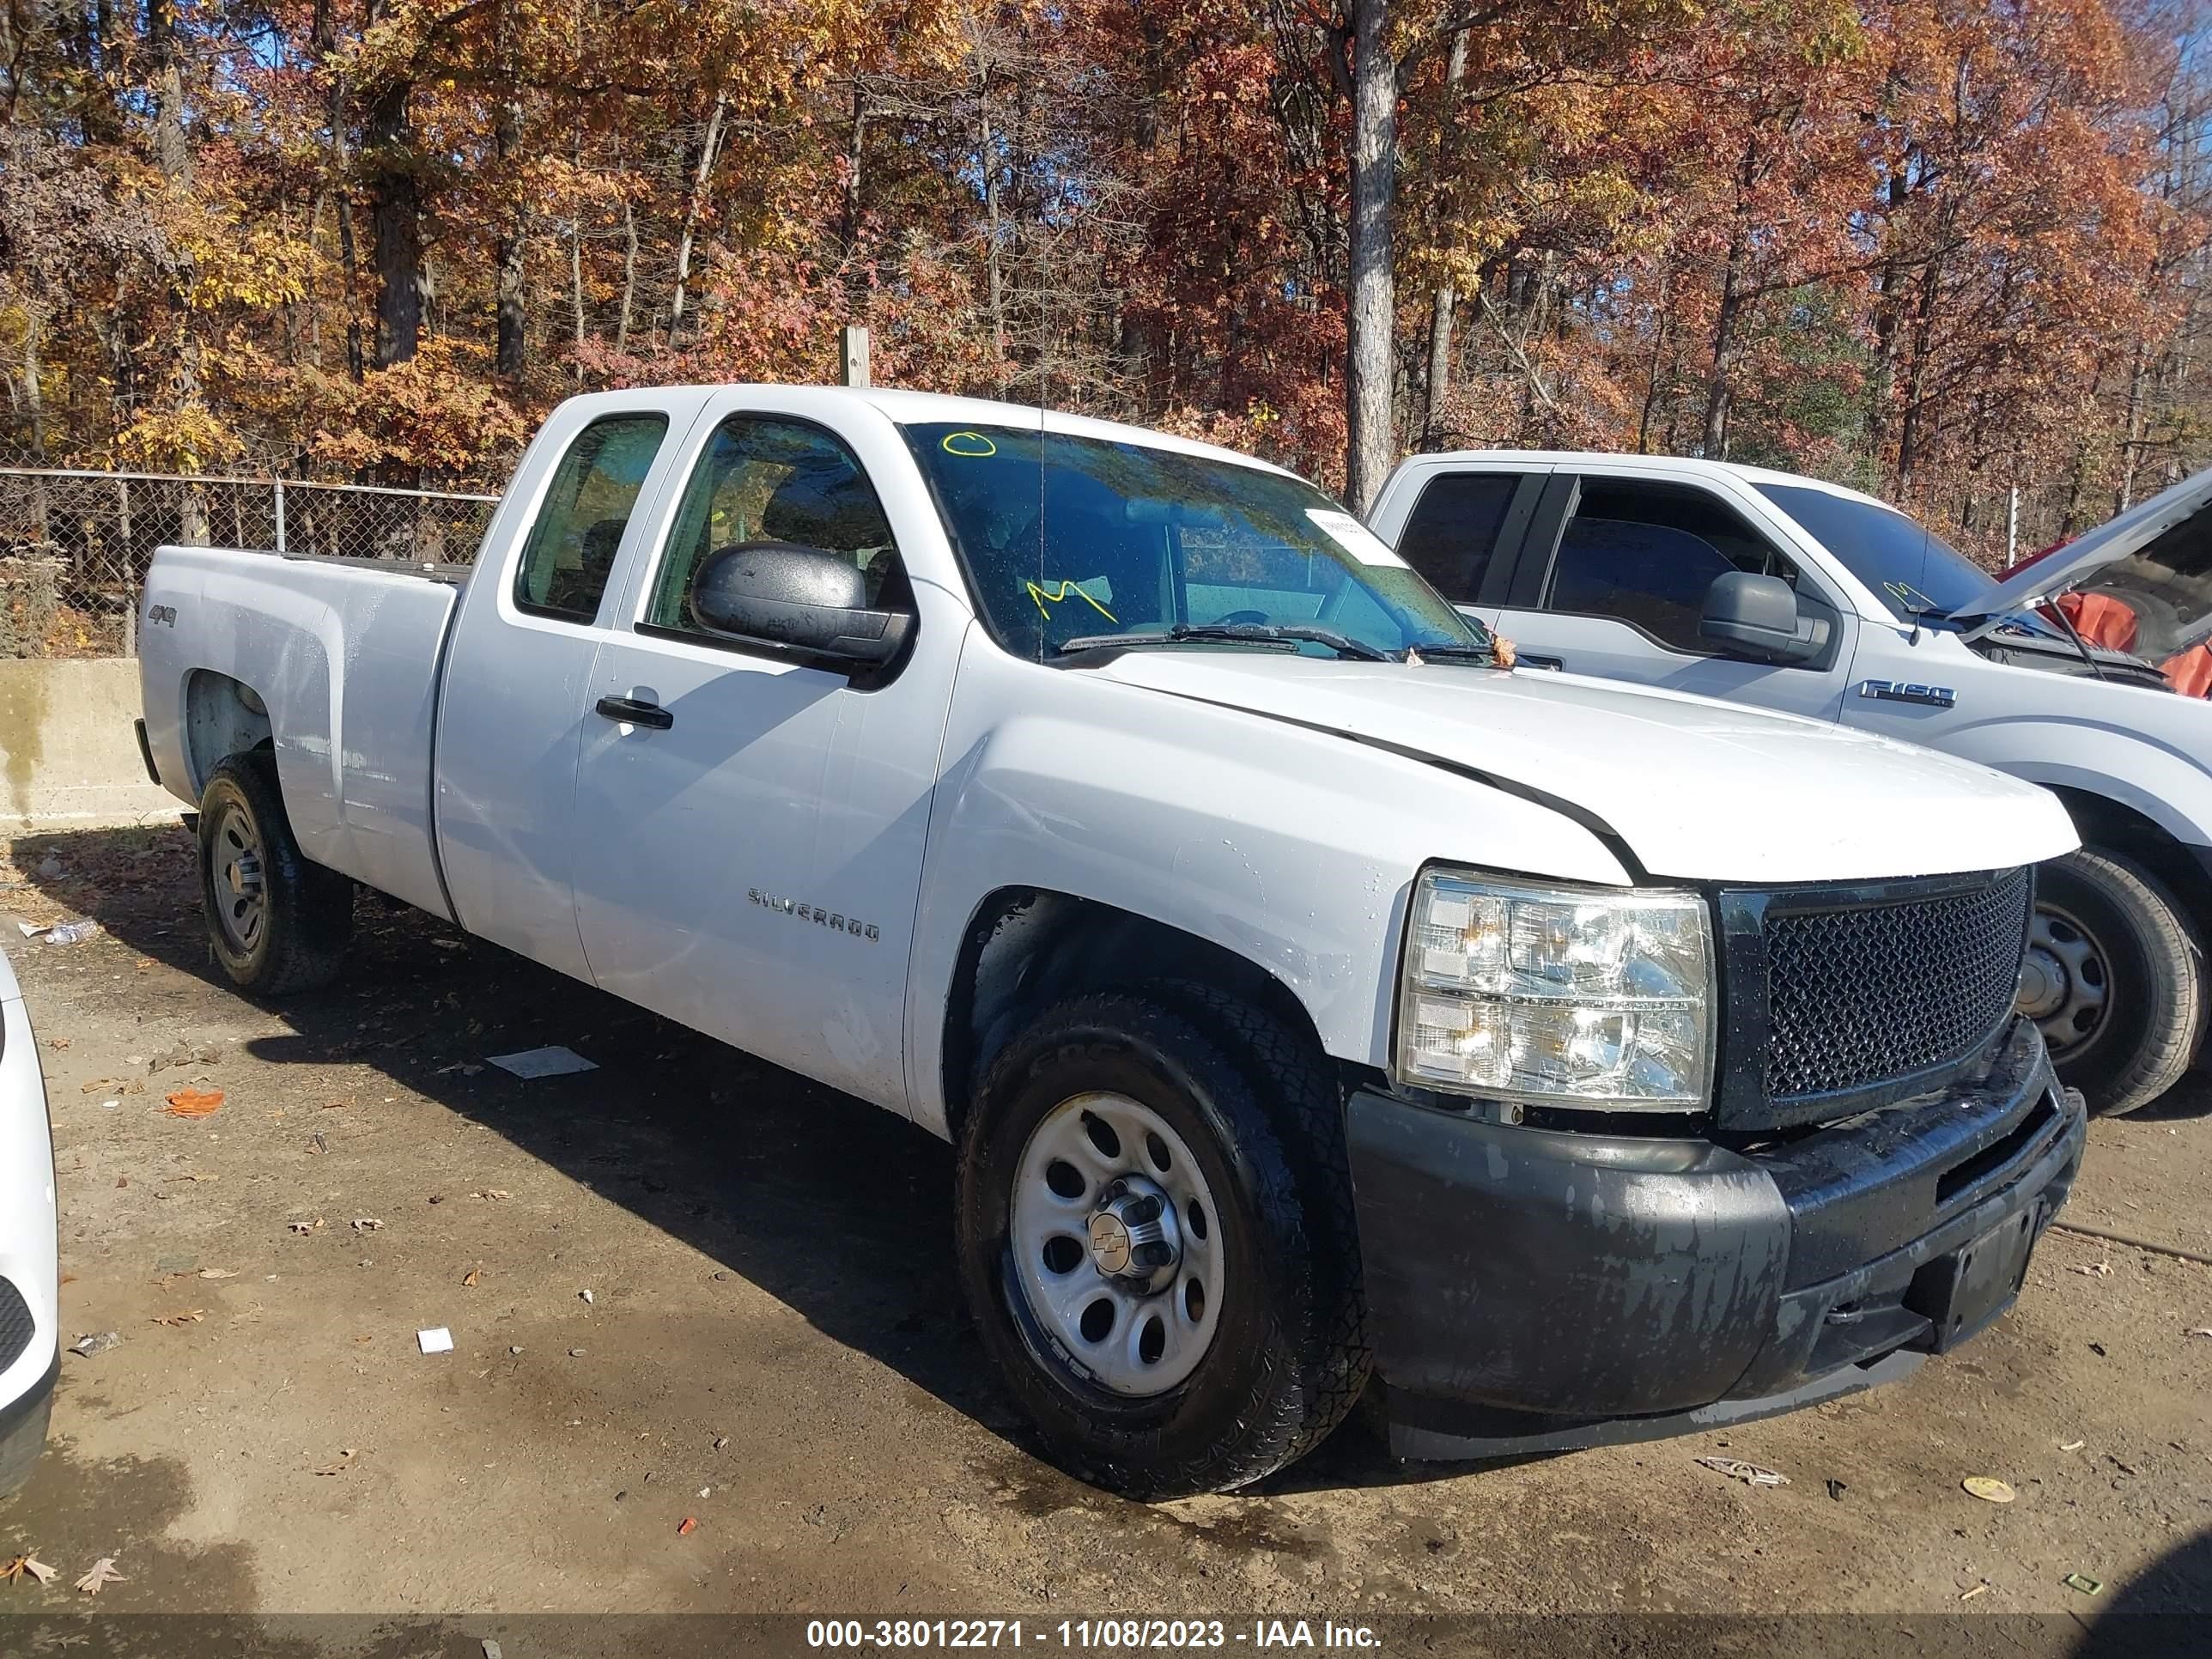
773, 1346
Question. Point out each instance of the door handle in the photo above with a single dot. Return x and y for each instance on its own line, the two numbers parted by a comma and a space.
1530, 660
634, 711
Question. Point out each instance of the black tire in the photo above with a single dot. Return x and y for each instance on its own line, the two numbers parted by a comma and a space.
305, 917
2153, 966
21, 1446
1262, 1112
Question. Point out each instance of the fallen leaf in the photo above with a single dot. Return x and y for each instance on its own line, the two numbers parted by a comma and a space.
103, 1572
218, 1272
690, 1525
316, 1226
2097, 1269
194, 1103
469, 1278
192, 1318
28, 1565
367, 1224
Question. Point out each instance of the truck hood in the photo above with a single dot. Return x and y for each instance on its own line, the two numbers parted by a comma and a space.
1696, 789
2110, 543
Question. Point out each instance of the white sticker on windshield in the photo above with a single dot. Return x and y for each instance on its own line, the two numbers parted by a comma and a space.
1354, 537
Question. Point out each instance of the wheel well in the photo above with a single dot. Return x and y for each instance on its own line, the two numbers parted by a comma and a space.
2106, 823
1028, 948
222, 717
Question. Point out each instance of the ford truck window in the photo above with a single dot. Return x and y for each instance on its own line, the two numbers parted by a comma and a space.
1916, 574
1071, 537
579, 529
1454, 529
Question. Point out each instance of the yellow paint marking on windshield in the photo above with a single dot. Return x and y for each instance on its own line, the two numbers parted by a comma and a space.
1039, 596
972, 445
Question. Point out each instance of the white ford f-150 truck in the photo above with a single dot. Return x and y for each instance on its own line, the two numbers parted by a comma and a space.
1789, 594
1307, 997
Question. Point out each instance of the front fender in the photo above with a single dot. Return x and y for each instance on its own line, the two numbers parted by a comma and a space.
2157, 768
1292, 849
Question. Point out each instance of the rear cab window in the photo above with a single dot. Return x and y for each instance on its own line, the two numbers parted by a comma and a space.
1454, 529
570, 550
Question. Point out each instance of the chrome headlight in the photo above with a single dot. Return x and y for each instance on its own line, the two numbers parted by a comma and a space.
1558, 996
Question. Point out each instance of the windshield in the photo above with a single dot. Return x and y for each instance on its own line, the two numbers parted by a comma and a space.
1076, 538
1917, 575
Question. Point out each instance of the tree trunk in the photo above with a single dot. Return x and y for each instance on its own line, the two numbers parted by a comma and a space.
171, 155
1440, 342
512, 245
1913, 418
629, 277
692, 204
1372, 298
34, 397
1662, 337
1446, 297
1888, 308
395, 207
995, 282
323, 34
849, 228
1718, 392
2131, 448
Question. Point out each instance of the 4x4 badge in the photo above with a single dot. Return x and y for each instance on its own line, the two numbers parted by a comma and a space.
1936, 696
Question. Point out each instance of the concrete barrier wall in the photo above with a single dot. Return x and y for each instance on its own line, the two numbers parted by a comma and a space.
68, 755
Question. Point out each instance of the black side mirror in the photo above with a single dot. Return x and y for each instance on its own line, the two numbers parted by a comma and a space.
1758, 618
812, 603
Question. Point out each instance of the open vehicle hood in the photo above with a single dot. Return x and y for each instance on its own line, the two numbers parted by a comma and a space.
1697, 789
2080, 560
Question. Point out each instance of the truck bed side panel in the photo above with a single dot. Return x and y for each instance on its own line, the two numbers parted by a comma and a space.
345, 658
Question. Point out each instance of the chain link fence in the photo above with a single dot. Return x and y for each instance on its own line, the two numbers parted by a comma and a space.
75, 546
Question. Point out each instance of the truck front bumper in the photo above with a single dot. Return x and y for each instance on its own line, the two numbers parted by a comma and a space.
1534, 1290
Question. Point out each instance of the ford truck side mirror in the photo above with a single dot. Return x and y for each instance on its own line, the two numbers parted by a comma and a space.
811, 604
1758, 618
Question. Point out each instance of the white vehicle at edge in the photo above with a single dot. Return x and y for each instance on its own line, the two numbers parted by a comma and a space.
1307, 997
1795, 595
30, 1343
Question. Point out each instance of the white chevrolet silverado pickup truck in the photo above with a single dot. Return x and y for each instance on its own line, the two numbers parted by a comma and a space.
1307, 996
1789, 594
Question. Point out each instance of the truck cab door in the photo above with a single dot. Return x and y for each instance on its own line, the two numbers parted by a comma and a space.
511, 696
751, 826
1612, 580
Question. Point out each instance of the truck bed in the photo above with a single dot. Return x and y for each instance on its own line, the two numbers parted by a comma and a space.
334, 662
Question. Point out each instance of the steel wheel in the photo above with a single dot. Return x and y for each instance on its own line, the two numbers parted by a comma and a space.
1116, 1243
241, 886
2065, 983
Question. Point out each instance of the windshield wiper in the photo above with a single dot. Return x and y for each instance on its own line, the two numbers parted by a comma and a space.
1236, 632
1481, 653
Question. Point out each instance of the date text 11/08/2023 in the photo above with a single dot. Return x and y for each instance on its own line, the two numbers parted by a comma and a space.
1081, 1634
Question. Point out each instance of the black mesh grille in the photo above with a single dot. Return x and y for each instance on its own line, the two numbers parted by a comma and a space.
1859, 996
14, 1323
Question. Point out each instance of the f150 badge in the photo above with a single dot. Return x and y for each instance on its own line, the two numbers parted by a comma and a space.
814, 913
1934, 696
